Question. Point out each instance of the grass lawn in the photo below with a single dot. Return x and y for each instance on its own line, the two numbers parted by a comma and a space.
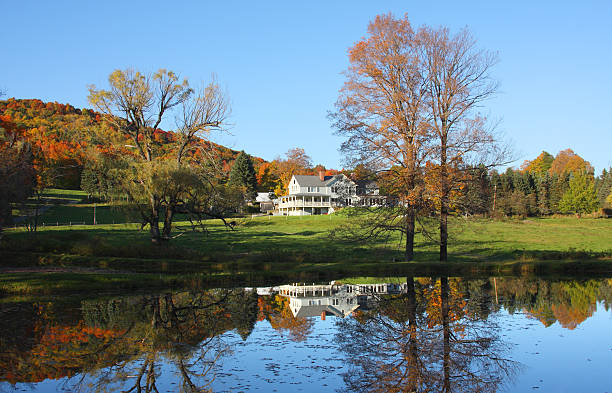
264, 249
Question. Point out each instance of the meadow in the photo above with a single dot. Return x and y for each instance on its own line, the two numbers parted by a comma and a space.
275, 249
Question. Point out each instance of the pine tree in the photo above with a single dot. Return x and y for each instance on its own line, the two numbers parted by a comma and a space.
603, 186
580, 197
242, 174
544, 191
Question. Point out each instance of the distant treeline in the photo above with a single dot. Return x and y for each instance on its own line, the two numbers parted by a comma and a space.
547, 185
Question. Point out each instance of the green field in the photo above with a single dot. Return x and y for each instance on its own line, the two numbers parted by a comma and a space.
263, 249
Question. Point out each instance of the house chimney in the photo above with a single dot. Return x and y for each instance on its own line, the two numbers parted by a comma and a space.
322, 175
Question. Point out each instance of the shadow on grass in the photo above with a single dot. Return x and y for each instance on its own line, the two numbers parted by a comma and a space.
263, 249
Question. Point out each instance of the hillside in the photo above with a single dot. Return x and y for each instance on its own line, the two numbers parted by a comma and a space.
63, 133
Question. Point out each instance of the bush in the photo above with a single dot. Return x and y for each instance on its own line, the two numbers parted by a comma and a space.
252, 209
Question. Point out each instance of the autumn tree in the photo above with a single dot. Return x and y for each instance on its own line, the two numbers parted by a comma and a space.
267, 178
459, 80
296, 162
17, 178
540, 165
243, 175
567, 162
161, 178
381, 113
580, 198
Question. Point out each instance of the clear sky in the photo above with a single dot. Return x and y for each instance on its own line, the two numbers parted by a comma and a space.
281, 62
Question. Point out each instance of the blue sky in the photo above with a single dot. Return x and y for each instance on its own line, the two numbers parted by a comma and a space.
281, 62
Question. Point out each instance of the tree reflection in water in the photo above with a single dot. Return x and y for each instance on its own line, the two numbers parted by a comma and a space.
424, 340
123, 345
437, 335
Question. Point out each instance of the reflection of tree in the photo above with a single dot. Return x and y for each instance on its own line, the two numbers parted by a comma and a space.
121, 344
423, 341
569, 302
277, 311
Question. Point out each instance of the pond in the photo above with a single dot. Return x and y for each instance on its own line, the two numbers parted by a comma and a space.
417, 334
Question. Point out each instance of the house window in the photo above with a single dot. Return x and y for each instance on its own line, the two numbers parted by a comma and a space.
313, 189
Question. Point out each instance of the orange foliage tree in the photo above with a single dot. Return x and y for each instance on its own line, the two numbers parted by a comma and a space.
381, 112
567, 162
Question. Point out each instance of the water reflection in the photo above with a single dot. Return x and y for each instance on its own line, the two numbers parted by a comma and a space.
122, 344
424, 340
413, 334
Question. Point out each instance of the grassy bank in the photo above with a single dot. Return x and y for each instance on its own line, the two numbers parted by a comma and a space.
276, 240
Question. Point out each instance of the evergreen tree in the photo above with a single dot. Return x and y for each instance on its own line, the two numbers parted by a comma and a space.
477, 194
90, 183
242, 174
580, 197
603, 186
543, 193
559, 185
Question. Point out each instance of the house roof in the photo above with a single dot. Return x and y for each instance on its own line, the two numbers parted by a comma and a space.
311, 181
315, 181
263, 197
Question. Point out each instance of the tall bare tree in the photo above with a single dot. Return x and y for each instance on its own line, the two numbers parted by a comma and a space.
160, 175
382, 113
459, 80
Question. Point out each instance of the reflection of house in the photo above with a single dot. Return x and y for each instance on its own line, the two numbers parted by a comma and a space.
332, 299
309, 195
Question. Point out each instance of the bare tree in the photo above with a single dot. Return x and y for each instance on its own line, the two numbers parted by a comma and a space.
381, 112
135, 105
458, 81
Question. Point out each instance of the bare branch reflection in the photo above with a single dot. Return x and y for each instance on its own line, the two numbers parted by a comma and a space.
424, 340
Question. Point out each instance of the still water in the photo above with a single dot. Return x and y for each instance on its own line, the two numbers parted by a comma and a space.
404, 334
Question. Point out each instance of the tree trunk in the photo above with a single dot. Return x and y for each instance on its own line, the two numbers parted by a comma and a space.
154, 230
444, 231
444, 293
444, 200
154, 221
410, 220
168, 223
414, 377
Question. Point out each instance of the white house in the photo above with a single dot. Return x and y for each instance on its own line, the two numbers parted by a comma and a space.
339, 300
310, 195
315, 300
